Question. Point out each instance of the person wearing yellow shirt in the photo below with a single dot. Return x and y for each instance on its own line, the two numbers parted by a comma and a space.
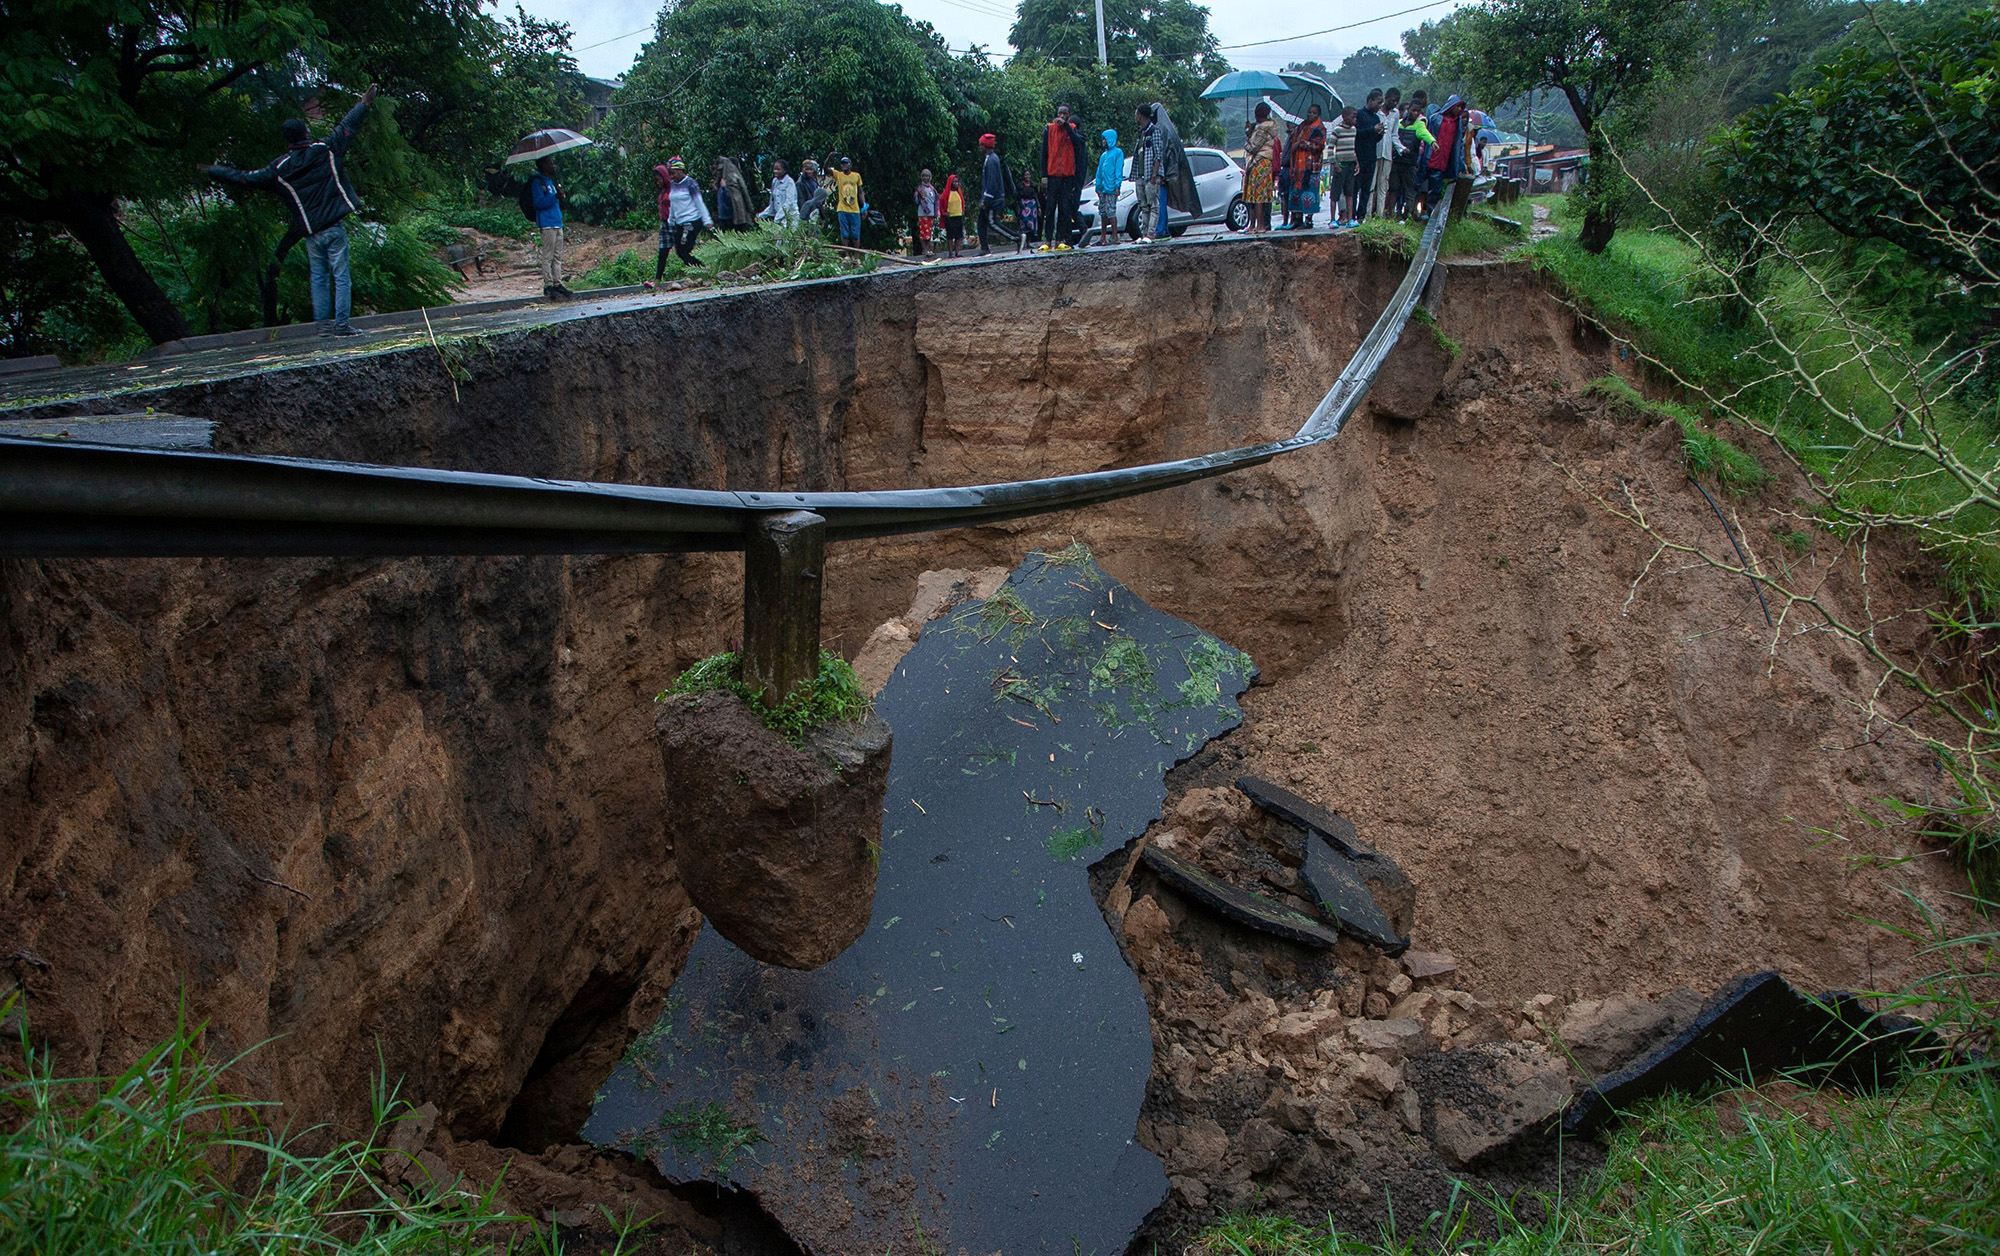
847, 202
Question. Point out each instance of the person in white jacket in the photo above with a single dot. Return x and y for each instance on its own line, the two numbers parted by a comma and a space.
784, 206
683, 213
1385, 153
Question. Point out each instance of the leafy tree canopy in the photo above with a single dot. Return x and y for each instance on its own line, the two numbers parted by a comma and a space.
1158, 50
113, 103
1601, 55
1896, 140
1368, 68
785, 78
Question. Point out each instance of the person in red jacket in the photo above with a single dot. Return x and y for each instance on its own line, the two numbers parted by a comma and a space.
1060, 159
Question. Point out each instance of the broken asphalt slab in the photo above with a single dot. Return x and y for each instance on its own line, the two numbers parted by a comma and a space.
1245, 907
1756, 1026
968, 1075
1360, 889
1337, 886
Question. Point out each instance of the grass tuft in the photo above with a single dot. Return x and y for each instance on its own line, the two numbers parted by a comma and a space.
1707, 453
162, 1159
1452, 348
833, 697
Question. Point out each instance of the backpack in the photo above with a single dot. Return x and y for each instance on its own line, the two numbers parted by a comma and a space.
500, 184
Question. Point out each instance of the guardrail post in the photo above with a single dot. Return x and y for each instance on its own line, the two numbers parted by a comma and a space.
1463, 201
784, 554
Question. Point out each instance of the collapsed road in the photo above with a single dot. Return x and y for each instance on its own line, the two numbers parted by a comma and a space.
416, 806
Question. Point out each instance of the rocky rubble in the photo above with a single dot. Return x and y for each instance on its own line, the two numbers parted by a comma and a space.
1301, 1081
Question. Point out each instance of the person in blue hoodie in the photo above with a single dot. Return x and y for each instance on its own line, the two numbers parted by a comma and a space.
1110, 177
546, 197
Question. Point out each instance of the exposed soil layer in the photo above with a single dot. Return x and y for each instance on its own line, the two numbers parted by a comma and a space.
416, 806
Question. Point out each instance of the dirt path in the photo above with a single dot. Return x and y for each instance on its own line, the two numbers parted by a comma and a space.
512, 266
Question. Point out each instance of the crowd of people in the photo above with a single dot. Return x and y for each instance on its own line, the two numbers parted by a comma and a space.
1388, 158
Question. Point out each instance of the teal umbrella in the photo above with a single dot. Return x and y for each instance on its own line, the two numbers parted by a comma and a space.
1245, 83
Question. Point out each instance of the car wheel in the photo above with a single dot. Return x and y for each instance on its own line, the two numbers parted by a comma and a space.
1239, 215
1132, 224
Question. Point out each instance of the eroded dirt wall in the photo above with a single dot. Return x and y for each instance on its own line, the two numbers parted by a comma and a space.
414, 806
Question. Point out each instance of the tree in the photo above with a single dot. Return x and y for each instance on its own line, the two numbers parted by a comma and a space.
785, 78
50, 300
463, 85
1893, 140
982, 97
1602, 56
1158, 50
107, 99
1369, 68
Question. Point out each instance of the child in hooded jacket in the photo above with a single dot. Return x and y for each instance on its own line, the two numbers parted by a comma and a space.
1110, 178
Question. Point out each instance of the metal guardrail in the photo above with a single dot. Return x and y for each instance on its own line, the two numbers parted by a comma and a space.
72, 499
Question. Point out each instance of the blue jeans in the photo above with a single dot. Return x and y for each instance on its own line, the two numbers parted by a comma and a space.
332, 289
850, 226
1160, 218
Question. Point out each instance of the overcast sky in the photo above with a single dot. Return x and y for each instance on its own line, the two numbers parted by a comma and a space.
609, 33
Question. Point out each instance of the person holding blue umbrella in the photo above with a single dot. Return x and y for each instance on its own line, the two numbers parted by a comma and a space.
1247, 84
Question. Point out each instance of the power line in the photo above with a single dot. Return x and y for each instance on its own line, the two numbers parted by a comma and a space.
975, 6
1259, 43
614, 39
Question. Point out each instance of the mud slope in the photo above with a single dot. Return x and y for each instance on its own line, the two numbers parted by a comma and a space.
416, 804
1597, 798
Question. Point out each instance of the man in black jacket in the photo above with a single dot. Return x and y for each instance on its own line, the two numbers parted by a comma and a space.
1060, 158
992, 190
319, 198
1368, 125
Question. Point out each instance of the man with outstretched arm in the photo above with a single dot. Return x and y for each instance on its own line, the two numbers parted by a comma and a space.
310, 179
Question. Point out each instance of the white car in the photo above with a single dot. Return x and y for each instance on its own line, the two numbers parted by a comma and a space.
1218, 180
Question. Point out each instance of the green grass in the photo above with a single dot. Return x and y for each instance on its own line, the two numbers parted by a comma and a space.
1648, 289
833, 696
1779, 1171
1452, 348
440, 226
163, 1159
1706, 451
628, 268
706, 1129
781, 254
1070, 843
1395, 237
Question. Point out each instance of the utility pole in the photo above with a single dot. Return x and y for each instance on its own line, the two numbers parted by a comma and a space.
1102, 57
1528, 152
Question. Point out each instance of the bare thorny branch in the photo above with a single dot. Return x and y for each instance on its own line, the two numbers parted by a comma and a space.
1906, 470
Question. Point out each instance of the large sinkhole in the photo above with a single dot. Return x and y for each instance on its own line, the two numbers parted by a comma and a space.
410, 814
